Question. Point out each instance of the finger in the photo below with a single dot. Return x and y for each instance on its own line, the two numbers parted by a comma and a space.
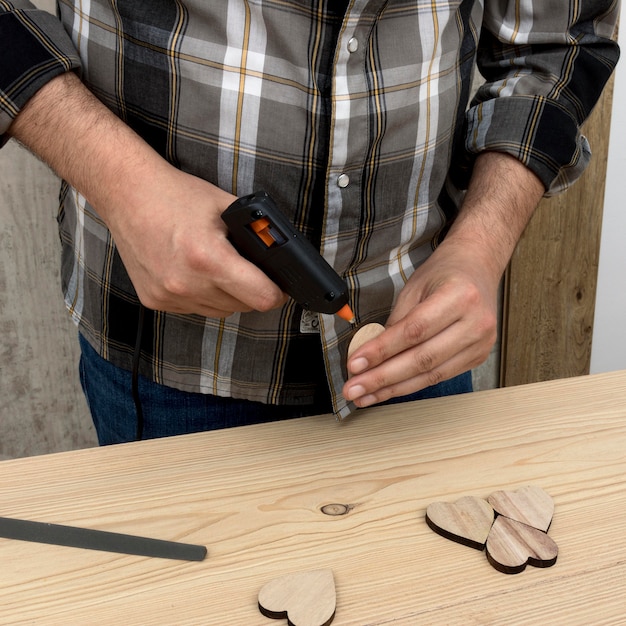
223, 304
457, 365
223, 283
218, 310
247, 284
197, 309
425, 321
415, 361
422, 325
424, 363
189, 299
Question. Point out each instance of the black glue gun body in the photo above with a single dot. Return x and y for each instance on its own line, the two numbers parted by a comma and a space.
262, 234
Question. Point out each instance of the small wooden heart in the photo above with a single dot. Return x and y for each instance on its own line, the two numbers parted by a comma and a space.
364, 334
529, 505
511, 545
467, 521
304, 598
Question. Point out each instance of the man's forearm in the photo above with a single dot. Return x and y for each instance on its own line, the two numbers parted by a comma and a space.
83, 142
501, 198
165, 223
444, 321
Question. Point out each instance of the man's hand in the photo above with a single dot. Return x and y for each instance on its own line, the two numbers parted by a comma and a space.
174, 246
445, 319
443, 324
165, 223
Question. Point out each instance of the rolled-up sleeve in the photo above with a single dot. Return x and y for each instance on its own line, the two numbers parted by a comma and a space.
34, 48
545, 65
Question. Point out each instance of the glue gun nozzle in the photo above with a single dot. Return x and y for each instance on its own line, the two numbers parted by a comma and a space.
345, 312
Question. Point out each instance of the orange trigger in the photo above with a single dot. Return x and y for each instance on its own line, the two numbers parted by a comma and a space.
262, 228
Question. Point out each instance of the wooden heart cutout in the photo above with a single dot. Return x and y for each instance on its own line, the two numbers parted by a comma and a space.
304, 598
511, 545
364, 334
529, 505
467, 521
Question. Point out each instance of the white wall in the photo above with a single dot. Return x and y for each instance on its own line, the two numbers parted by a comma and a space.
609, 331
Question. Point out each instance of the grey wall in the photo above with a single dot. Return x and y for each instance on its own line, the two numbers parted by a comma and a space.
42, 408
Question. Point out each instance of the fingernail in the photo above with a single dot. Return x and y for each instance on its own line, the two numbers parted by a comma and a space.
365, 401
358, 365
355, 392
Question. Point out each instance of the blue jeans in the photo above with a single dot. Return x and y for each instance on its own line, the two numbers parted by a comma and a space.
168, 411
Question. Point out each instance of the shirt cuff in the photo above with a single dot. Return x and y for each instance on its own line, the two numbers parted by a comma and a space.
537, 131
34, 48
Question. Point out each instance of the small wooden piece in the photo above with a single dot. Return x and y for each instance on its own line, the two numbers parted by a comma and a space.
530, 505
517, 536
511, 545
466, 521
304, 598
364, 334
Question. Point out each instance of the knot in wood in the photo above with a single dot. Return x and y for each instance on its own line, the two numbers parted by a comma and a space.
336, 509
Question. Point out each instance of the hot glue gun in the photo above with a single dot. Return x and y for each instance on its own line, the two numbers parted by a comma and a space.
262, 234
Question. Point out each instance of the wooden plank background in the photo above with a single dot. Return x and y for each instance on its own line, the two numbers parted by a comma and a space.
550, 286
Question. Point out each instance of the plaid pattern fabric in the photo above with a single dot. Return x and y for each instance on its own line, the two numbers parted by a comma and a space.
288, 96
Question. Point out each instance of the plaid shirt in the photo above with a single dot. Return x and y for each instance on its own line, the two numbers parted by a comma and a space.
359, 125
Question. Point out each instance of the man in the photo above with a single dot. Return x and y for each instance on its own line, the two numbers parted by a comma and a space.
354, 117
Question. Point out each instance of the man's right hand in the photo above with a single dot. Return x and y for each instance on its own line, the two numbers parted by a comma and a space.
174, 246
166, 224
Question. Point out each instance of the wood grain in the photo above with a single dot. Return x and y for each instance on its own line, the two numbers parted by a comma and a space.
363, 335
530, 505
304, 598
467, 521
512, 545
254, 497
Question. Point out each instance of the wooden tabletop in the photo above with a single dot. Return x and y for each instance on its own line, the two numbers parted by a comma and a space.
254, 497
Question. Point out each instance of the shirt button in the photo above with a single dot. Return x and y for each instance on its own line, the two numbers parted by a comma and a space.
353, 44
343, 180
